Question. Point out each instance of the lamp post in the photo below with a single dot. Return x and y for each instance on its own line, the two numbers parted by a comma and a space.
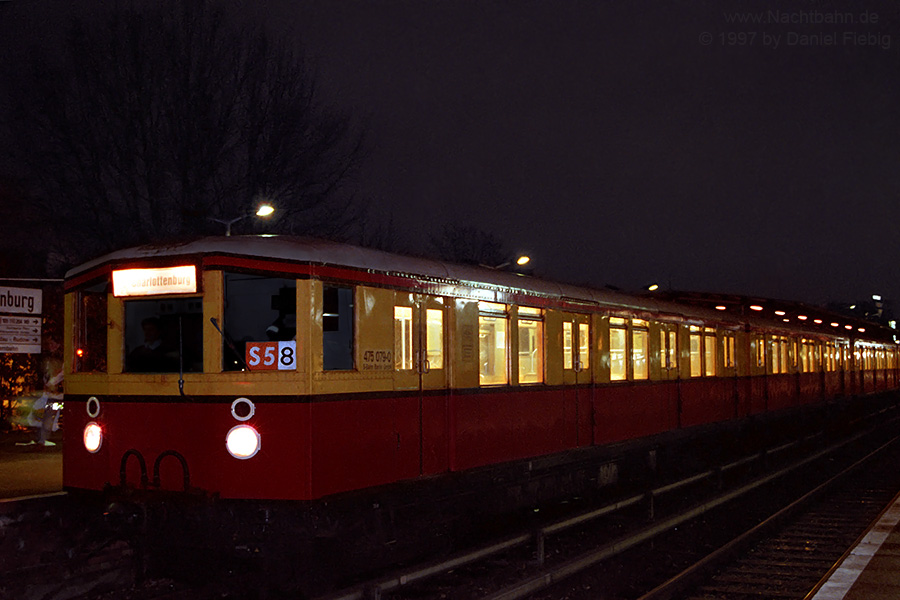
264, 210
521, 261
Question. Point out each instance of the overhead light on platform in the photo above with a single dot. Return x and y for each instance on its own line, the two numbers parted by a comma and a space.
802, 317
756, 307
780, 313
720, 307
817, 321
862, 329
835, 324
848, 326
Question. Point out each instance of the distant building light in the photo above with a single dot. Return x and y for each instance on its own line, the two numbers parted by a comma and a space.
755, 307
876, 297
652, 287
892, 324
780, 313
721, 307
852, 307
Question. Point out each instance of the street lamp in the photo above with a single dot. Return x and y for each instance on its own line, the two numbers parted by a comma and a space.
264, 210
521, 261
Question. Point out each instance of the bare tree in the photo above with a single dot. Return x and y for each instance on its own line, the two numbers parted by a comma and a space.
165, 115
468, 244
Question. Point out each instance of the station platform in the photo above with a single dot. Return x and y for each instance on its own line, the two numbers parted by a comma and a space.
870, 570
29, 470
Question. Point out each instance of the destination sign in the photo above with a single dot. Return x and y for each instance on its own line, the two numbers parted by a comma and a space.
150, 282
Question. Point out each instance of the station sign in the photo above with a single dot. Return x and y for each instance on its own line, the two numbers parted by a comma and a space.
20, 335
20, 320
15, 300
152, 282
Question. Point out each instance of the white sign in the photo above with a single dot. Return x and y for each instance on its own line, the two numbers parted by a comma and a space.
150, 282
20, 335
20, 300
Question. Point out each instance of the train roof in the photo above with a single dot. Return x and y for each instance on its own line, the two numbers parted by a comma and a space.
495, 284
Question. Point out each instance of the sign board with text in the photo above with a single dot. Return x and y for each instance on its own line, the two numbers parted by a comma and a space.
20, 335
23, 301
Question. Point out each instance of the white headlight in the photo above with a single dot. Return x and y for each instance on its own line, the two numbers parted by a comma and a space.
93, 437
242, 441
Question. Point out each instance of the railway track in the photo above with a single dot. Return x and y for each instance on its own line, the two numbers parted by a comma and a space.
601, 553
789, 555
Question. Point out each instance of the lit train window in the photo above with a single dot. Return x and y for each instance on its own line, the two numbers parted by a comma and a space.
91, 329
531, 345
709, 353
780, 358
668, 349
696, 354
434, 338
403, 338
584, 346
728, 347
640, 348
257, 309
568, 356
164, 335
337, 328
492, 324
617, 349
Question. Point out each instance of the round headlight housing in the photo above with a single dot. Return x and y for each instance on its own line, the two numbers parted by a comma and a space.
242, 442
93, 437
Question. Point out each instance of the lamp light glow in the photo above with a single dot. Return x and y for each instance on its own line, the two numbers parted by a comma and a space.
93, 437
242, 442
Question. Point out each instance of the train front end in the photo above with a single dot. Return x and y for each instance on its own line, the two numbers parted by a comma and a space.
160, 397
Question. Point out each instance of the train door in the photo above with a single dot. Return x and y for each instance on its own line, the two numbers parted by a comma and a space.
420, 365
577, 372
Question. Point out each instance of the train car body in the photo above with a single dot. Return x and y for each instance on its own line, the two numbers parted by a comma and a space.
288, 369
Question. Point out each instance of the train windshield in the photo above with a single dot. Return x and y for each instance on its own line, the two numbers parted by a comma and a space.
257, 309
164, 336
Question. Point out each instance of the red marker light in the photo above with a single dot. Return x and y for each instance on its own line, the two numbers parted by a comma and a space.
79, 353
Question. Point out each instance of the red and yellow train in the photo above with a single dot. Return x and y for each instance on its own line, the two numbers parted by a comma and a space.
279, 368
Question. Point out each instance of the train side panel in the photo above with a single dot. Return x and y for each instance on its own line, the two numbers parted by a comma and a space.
624, 412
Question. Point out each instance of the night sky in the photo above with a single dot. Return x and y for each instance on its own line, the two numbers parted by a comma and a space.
626, 142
